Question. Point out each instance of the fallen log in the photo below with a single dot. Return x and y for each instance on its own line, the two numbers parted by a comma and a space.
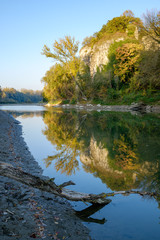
7, 170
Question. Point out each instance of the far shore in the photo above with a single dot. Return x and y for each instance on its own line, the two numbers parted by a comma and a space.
140, 107
134, 107
15, 104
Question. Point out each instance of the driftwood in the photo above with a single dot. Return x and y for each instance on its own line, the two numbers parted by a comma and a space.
7, 170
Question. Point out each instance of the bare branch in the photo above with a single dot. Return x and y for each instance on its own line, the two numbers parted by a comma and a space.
8, 170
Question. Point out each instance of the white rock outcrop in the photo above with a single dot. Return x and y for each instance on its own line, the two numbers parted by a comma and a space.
97, 56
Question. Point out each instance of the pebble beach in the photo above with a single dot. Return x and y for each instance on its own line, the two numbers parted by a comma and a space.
25, 212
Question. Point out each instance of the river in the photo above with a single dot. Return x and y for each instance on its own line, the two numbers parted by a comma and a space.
100, 152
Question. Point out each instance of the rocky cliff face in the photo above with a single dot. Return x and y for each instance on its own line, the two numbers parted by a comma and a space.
97, 55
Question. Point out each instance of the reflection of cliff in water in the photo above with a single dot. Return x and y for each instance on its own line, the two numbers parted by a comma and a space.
96, 161
121, 149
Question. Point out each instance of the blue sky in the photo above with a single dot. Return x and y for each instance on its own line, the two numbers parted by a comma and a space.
26, 25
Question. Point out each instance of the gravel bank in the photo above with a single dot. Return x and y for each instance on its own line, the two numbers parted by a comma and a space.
133, 108
27, 213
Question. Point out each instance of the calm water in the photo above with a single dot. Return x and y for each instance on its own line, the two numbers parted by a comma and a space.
101, 152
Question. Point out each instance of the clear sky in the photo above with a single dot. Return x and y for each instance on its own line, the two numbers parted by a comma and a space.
26, 25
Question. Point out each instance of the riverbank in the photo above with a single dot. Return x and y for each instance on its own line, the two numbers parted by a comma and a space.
27, 213
115, 108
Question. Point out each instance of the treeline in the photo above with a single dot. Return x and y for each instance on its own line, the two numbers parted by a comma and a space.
11, 95
131, 74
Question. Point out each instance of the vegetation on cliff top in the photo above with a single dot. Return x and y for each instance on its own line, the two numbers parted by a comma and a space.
124, 25
132, 73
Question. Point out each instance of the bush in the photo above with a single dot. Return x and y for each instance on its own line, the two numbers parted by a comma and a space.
149, 70
113, 94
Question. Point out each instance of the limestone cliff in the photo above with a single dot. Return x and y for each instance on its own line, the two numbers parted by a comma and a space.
97, 55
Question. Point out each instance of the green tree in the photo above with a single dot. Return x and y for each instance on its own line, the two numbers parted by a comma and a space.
58, 83
64, 53
11, 95
115, 28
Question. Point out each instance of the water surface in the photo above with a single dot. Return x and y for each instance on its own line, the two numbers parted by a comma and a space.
101, 152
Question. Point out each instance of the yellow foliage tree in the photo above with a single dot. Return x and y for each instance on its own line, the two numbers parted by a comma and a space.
127, 60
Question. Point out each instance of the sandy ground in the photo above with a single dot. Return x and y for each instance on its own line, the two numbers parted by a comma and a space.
27, 213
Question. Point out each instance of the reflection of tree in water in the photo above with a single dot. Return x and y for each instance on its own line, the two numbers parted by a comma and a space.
132, 144
26, 114
65, 160
113, 146
125, 156
62, 130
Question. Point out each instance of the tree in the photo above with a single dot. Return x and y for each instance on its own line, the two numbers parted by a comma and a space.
128, 13
87, 40
64, 53
115, 28
59, 83
119, 24
11, 95
151, 26
149, 70
127, 60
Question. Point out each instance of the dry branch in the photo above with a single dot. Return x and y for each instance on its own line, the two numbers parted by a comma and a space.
9, 171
